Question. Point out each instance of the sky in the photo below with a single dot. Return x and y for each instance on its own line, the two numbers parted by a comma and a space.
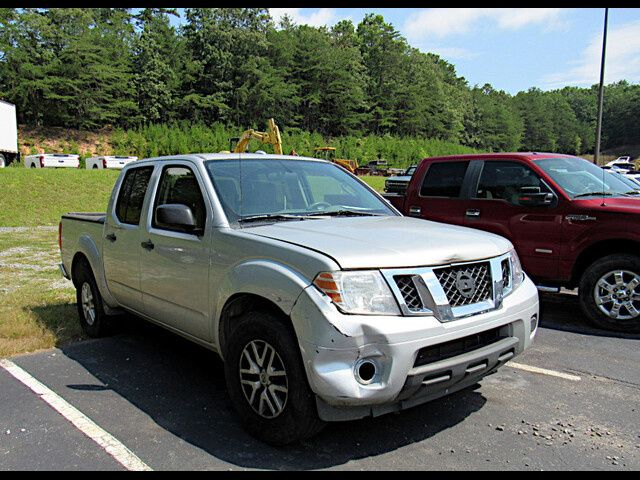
513, 49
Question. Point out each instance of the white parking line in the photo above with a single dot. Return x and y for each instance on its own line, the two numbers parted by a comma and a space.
108, 442
544, 371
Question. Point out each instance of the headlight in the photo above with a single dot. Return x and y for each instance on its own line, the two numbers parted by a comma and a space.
358, 292
517, 274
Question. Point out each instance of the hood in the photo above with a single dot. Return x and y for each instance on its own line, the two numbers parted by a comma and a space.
386, 242
611, 204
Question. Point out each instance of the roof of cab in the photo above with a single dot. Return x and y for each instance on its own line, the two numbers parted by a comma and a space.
229, 156
499, 155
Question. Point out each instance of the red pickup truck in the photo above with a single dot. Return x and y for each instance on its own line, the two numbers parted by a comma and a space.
572, 223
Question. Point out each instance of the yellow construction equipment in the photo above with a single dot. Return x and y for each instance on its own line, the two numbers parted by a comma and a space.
329, 153
271, 137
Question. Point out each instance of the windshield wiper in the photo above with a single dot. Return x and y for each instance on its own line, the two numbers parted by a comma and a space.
275, 216
342, 213
594, 194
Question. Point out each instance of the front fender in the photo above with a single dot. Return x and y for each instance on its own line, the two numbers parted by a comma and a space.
271, 280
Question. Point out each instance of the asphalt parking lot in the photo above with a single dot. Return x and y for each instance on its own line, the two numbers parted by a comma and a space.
164, 399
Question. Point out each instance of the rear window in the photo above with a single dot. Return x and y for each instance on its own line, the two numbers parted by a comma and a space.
131, 195
444, 179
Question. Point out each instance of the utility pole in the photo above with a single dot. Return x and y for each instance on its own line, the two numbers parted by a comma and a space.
596, 157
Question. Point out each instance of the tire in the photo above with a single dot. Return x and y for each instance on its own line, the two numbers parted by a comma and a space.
601, 291
297, 417
33, 165
93, 320
95, 167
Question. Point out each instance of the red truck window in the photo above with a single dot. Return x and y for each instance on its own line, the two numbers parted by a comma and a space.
444, 179
507, 181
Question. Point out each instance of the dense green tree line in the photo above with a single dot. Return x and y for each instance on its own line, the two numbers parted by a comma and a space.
87, 68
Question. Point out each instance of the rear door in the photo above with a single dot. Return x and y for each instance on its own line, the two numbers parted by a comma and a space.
175, 265
440, 194
495, 207
121, 245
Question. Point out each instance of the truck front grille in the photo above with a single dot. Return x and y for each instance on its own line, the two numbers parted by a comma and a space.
466, 284
409, 292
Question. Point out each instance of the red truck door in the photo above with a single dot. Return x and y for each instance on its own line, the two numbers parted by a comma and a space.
437, 195
501, 204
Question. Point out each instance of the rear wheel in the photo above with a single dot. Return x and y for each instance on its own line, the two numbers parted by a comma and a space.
610, 292
95, 167
33, 165
93, 320
267, 382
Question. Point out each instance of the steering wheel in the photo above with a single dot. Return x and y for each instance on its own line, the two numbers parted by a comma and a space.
318, 205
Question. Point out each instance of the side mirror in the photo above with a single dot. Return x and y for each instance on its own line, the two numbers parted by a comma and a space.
175, 216
538, 199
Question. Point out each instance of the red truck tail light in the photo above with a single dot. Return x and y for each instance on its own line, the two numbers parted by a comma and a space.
41, 161
60, 236
104, 163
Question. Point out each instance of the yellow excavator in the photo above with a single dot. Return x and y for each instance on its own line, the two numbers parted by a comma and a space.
271, 137
329, 153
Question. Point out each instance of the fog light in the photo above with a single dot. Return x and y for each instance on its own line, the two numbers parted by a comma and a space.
534, 323
365, 371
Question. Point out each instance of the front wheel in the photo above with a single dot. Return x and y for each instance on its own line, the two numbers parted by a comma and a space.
610, 293
266, 381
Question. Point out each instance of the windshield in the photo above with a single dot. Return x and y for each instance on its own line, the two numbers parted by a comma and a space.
580, 178
410, 171
629, 181
285, 189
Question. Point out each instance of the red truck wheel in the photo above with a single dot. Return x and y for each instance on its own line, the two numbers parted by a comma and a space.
610, 293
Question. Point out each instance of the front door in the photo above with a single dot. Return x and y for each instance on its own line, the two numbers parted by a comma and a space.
535, 231
174, 264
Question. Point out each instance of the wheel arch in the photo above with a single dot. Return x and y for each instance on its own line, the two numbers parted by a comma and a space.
243, 302
599, 250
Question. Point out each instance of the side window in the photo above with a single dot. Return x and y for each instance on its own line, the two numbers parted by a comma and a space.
179, 185
508, 181
444, 179
131, 195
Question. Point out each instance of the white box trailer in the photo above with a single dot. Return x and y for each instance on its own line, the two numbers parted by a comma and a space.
108, 161
8, 134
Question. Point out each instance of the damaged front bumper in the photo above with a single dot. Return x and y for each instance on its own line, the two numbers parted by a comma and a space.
409, 360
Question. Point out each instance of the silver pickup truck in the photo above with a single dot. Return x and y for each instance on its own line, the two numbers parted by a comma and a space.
324, 302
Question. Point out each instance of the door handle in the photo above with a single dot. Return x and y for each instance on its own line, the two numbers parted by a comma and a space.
415, 211
148, 245
472, 212
111, 237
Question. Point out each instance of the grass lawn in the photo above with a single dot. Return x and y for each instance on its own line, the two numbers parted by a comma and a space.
375, 182
33, 197
37, 305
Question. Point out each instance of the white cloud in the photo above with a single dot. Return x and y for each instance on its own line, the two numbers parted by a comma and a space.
622, 60
442, 22
317, 18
